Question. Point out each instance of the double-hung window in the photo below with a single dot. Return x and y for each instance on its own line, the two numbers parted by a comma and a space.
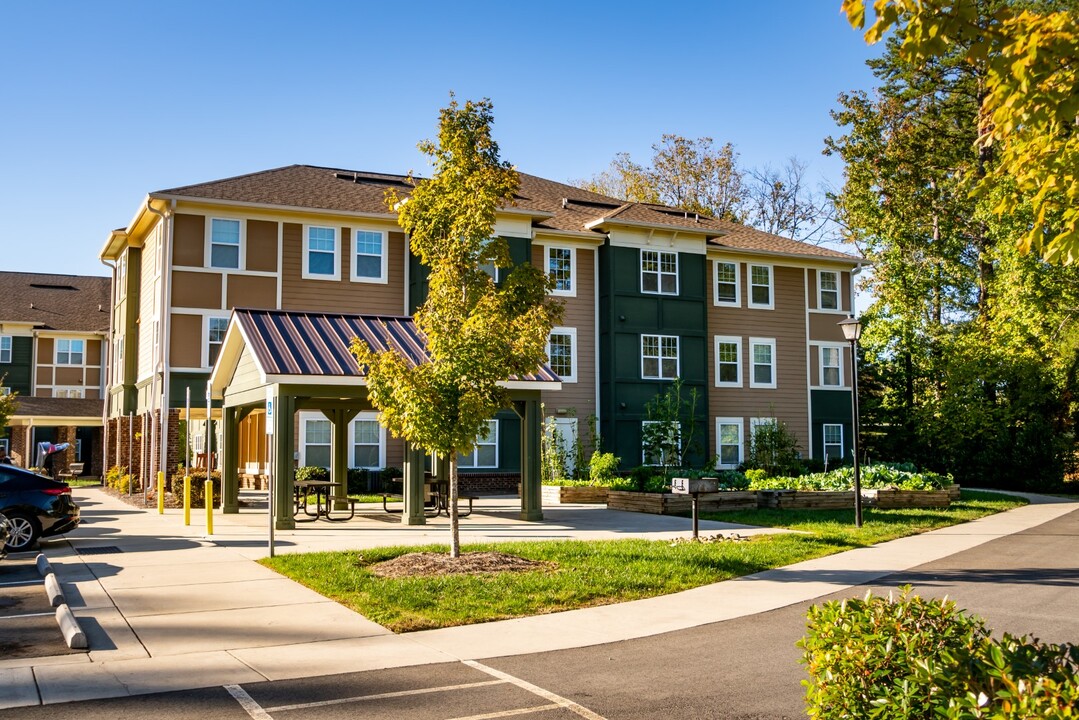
317, 434
727, 284
659, 357
562, 353
659, 272
728, 361
760, 287
224, 243
762, 355
67, 392
5, 348
833, 441
485, 454
729, 442
70, 352
369, 258
831, 372
215, 336
368, 442
828, 281
560, 266
320, 257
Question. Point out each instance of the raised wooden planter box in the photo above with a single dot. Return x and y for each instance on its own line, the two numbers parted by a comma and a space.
953, 492
557, 494
799, 500
886, 499
671, 504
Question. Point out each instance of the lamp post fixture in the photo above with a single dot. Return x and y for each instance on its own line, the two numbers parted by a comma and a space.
852, 331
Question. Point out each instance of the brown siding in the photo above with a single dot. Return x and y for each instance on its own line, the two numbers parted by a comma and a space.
813, 288
196, 290
189, 240
93, 352
825, 326
844, 291
248, 291
43, 376
789, 401
68, 376
395, 451
185, 348
47, 392
93, 376
91, 393
45, 354
341, 295
262, 245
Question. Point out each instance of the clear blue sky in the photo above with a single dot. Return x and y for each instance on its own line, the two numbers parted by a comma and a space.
104, 102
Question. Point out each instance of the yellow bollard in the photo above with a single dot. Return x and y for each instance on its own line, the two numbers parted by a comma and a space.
187, 499
160, 492
209, 497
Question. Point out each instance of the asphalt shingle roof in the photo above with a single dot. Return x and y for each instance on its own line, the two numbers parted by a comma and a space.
33, 406
56, 302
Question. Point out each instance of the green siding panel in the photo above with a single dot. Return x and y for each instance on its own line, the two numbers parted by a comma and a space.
831, 407
18, 373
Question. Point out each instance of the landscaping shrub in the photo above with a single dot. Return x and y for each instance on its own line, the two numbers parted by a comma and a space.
774, 449
198, 487
874, 477
733, 480
603, 468
117, 478
312, 472
908, 657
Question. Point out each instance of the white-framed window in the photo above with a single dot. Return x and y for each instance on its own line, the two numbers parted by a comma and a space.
70, 352
225, 243
756, 422
215, 336
761, 293
831, 366
729, 442
370, 255
670, 435
121, 277
562, 353
316, 439
485, 454
562, 267
489, 267
833, 441
828, 289
727, 289
728, 361
67, 392
762, 360
4, 443
78, 449
368, 442
659, 272
4, 390
321, 253
5, 348
659, 357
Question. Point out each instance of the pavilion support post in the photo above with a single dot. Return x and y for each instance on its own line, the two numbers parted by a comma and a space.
340, 417
284, 439
413, 490
230, 460
531, 492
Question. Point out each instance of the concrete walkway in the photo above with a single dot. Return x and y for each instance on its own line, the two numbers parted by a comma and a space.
167, 608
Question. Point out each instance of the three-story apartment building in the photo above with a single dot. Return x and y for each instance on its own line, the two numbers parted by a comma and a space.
651, 293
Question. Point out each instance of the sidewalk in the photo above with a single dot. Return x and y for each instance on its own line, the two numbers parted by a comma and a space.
166, 608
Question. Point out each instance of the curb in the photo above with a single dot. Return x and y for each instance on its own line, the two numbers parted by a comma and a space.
43, 565
69, 626
54, 591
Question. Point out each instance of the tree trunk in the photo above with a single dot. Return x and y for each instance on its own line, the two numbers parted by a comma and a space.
455, 530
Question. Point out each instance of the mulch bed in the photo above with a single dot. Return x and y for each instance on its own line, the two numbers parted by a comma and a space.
474, 563
171, 501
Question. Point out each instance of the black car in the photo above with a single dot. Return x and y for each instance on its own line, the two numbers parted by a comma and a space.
35, 506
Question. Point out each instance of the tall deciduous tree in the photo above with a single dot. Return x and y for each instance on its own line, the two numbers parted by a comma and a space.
781, 202
478, 333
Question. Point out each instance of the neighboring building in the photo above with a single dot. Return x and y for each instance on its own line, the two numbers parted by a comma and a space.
651, 293
52, 354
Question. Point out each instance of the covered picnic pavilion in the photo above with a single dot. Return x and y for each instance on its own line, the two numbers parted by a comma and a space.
292, 360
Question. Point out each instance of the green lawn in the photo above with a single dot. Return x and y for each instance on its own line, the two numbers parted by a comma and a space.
83, 482
604, 572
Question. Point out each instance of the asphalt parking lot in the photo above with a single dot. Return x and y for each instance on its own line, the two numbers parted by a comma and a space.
28, 625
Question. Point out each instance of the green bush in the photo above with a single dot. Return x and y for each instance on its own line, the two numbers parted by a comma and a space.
908, 657
117, 478
774, 449
311, 472
733, 480
756, 477
198, 487
874, 477
603, 468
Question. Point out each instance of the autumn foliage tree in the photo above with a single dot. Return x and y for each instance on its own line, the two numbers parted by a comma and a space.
478, 333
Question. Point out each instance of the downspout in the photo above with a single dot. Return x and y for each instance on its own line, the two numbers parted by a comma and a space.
163, 329
108, 374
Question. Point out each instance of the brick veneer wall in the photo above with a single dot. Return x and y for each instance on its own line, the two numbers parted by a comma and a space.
489, 482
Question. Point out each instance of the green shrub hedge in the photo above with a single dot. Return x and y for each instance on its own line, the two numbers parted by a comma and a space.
117, 478
907, 657
874, 477
198, 487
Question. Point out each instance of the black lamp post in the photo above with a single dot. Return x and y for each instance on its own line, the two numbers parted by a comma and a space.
852, 331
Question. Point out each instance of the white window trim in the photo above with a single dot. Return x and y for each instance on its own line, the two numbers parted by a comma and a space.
644, 452
824, 439
4, 443
737, 421
737, 284
305, 253
70, 391
5, 390
820, 367
56, 352
838, 292
572, 292
10, 348
677, 357
384, 273
208, 251
738, 344
491, 440
659, 272
366, 416
304, 416
756, 422
770, 305
752, 375
572, 332
567, 428
206, 338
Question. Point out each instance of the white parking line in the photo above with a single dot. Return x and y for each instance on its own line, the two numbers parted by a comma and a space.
383, 696
536, 690
509, 713
16, 617
248, 703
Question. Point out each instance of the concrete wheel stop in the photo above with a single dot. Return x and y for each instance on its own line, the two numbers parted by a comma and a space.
69, 624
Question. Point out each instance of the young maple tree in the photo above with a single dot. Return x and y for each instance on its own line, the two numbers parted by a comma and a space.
479, 333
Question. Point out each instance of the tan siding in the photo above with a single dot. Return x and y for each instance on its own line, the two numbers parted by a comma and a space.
789, 401
93, 353
249, 291
844, 291
185, 350
46, 392
395, 451
68, 376
93, 376
813, 289
196, 290
91, 393
825, 327
189, 240
43, 376
246, 375
262, 246
45, 351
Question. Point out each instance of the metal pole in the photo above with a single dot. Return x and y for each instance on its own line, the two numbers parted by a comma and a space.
187, 431
696, 515
130, 448
271, 484
854, 402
